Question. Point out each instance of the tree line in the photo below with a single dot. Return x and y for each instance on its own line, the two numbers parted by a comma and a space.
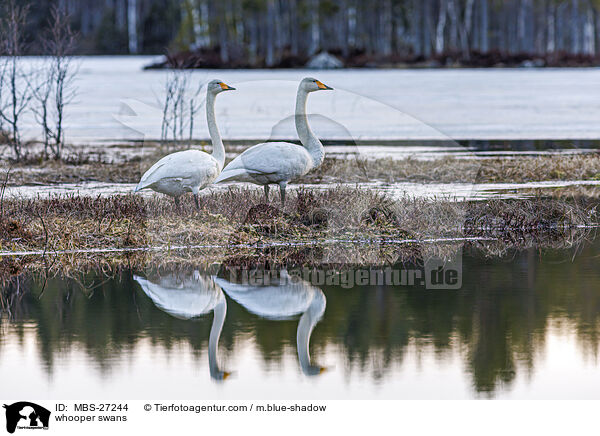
267, 32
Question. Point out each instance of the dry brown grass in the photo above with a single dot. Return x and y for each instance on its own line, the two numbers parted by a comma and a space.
51, 172
79, 168
451, 170
74, 222
371, 224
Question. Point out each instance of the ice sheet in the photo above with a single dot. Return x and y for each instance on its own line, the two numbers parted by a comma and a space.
367, 104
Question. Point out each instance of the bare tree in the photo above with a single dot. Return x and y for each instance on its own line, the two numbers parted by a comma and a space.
41, 86
3, 66
132, 16
179, 106
55, 87
315, 34
267, 32
15, 93
440, 28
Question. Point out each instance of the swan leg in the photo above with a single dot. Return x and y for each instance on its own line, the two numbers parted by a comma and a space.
282, 186
267, 192
196, 201
177, 204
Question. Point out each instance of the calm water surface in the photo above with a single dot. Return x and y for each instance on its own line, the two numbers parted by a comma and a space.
524, 326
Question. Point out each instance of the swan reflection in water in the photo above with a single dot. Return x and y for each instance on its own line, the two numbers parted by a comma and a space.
189, 297
283, 298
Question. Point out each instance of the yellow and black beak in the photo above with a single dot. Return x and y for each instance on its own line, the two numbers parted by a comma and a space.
321, 85
226, 87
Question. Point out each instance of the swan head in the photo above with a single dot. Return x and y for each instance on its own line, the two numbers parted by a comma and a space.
220, 376
310, 84
314, 370
216, 86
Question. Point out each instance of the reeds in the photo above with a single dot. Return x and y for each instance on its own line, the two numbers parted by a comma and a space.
238, 221
78, 167
515, 169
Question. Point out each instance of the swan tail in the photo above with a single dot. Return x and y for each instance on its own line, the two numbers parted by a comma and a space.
240, 174
144, 182
140, 186
141, 280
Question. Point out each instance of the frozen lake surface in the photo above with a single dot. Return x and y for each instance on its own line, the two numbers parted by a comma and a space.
117, 99
449, 191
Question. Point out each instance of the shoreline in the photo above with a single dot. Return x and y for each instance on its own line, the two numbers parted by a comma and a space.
237, 226
339, 167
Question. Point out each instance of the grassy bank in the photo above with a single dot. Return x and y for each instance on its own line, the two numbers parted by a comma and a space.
516, 169
245, 229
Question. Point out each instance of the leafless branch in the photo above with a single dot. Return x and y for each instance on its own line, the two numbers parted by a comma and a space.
180, 106
55, 88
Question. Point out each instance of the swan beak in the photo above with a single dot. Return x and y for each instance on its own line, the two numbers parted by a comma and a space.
322, 370
226, 375
321, 85
226, 87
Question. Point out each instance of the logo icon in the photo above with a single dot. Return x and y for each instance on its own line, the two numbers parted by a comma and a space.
26, 415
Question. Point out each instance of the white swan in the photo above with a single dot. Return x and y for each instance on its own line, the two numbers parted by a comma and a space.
188, 298
284, 298
190, 170
280, 162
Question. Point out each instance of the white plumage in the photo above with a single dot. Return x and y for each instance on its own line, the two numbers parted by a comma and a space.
279, 162
268, 163
190, 297
184, 298
181, 172
190, 170
280, 299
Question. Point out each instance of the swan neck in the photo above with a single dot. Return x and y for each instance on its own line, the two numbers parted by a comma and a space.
308, 139
307, 323
218, 148
215, 333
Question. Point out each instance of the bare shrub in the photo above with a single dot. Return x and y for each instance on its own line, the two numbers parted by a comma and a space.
179, 107
55, 88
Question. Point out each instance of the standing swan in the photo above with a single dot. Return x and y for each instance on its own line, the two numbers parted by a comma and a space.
280, 162
284, 298
190, 170
190, 298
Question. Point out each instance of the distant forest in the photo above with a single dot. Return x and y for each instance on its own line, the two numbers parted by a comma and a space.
283, 33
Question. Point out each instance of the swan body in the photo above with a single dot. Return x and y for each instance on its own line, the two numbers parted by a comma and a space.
279, 162
181, 172
283, 298
190, 170
186, 298
269, 163
189, 298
